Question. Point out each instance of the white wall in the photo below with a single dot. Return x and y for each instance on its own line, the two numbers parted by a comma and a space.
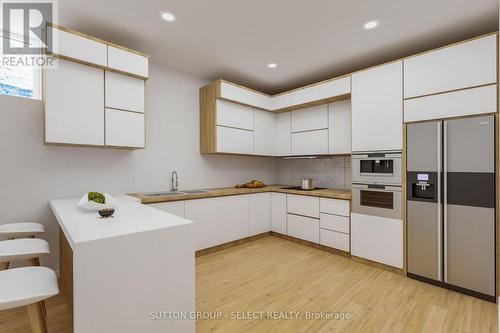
31, 173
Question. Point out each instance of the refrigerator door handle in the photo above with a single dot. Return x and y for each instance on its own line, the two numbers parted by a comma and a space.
445, 200
439, 201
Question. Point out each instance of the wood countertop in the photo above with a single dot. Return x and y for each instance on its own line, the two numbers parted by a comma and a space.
221, 192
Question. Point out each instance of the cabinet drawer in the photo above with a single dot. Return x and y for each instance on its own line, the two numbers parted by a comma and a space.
303, 205
124, 92
334, 239
334, 223
301, 227
310, 143
245, 96
175, 207
309, 119
321, 91
77, 47
234, 115
455, 67
334, 206
124, 129
232, 140
128, 62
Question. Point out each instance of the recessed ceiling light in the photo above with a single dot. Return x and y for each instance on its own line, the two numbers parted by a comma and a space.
272, 65
372, 24
167, 16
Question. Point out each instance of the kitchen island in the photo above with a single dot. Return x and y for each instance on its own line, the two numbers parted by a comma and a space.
119, 273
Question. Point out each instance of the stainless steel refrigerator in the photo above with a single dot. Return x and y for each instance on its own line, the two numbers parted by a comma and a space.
451, 204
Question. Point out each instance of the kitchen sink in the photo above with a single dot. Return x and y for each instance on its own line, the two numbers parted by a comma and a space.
160, 194
195, 191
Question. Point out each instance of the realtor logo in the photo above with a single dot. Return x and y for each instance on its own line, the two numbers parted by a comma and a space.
24, 27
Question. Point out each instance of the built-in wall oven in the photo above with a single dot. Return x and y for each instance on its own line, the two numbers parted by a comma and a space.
376, 184
377, 168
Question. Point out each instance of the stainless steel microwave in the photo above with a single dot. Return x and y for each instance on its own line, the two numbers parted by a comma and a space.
377, 168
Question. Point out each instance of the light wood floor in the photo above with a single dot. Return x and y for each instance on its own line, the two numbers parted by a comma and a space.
272, 274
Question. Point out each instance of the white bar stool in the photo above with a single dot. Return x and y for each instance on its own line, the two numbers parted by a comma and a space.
28, 286
21, 249
21, 230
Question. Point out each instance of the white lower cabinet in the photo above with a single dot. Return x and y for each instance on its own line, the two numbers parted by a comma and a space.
378, 239
306, 228
207, 217
125, 129
310, 142
335, 223
175, 207
259, 215
278, 213
303, 205
333, 239
235, 217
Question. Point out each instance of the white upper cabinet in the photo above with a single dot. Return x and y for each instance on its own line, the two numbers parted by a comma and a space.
377, 108
234, 217
339, 127
234, 141
281, 101
321, 91
245, 96
124, 92
125, 129
310, 142
74, 104
264, 132
309, 119
282, 135
259, 213
234, 115
128, 62
463, 65
77, 47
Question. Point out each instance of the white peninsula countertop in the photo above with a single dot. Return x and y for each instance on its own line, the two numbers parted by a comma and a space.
117, 273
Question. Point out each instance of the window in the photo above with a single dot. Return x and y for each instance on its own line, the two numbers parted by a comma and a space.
19, 80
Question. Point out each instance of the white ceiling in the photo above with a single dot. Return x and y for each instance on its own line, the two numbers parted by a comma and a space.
311, 40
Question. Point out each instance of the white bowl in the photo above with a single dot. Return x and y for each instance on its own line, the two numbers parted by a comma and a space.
91, 205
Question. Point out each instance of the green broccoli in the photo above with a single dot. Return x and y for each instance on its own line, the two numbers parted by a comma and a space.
96, 197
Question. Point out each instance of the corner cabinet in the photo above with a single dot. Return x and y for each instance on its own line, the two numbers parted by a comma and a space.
377, 108
97, 85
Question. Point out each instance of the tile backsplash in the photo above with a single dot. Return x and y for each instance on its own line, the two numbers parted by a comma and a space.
331, 172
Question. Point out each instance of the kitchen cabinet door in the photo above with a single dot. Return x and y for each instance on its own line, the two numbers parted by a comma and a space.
74, 104
125, 129
339, 127
234, 115
235, 217
321, 91
281, 101
77, 47
233, 140
459, 66
303, 205
124, 92
283, 135
207, 217
128, 62
175, 207
313, 118
264, 132
377, 238
278, 213
310, 143
245, 96
259, 213
377, 108
302, 227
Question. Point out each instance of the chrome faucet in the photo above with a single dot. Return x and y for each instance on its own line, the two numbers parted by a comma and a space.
175, 182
